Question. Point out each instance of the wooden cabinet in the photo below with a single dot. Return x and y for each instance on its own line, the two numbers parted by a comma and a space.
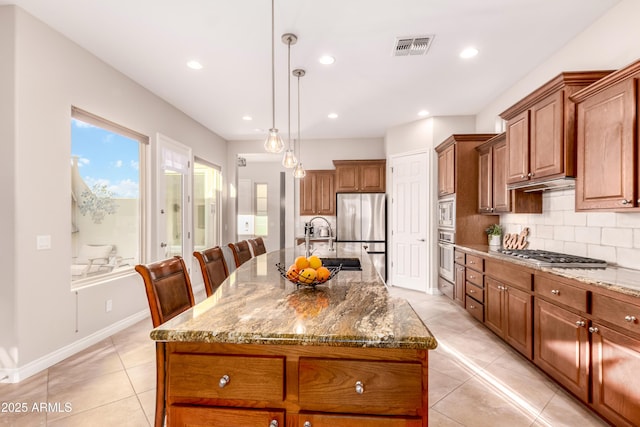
608, 176
508, 305
317, 193
360, 176
493, 195
541, 130
446, 171
326, 420
189, 416
459, 288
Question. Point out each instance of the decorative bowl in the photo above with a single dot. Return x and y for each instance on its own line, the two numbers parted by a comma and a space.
294, 277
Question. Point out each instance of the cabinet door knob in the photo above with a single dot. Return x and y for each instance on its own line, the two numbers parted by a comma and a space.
529, 174
593, 330
471, 291
471, 262
471, 276
581, 323
630, 319
521, 176
625, 202
307, 424
224, 380
555, 291
472, 307
274, 423
359, 387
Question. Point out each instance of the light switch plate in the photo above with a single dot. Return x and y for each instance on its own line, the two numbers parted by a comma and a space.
43, 242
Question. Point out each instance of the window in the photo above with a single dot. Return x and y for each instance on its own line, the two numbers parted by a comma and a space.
261, 223
207, 188
106, 202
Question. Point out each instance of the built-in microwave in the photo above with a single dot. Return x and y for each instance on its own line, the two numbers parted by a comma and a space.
447, 212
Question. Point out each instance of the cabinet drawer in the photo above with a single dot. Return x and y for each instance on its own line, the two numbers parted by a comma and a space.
475, 262
520, 277
474, 277
324, 420
445, 287
186, 416
475, 292
561, 293
458, 257
619, 313
475, 308
388, 388
249, 378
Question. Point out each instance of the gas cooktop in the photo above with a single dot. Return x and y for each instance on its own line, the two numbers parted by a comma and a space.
553, 259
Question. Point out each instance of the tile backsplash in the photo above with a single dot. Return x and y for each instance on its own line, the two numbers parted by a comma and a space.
612, 236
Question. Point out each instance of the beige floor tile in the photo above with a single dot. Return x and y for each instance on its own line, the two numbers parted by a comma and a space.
440, 385
478, 403
95, 361
564, 411
143, 377
148, 402
20, 399
90, 394
442, 361
135, 354
122, 413
436, 419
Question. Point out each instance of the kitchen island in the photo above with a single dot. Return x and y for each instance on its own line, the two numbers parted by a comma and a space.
263, 351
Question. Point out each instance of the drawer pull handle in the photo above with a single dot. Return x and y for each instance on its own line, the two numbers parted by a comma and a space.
359, 387
471, 276
471, 291
472, 306
224, 381
555, 291
580, 323
274, 423
306, 424
630, 319
625, 201
594, 330
471, 262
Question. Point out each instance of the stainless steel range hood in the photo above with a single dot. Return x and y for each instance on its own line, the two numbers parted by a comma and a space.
549, 185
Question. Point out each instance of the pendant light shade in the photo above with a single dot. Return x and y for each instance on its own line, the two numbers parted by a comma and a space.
289, 159
273, 143
299, 171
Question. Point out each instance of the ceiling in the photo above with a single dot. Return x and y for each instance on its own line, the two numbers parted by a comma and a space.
370, 89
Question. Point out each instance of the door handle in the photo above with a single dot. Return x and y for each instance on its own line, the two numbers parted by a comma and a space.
163, 245
421, 240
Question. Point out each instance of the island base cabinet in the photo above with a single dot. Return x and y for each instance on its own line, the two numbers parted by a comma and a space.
562, 347
616, 384
196, 416
324, 420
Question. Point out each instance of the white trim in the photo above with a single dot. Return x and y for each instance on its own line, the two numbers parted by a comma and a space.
15, 375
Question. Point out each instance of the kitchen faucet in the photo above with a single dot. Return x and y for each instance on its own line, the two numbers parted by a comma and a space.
307, 232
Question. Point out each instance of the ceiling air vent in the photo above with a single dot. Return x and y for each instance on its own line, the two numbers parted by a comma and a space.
406, 46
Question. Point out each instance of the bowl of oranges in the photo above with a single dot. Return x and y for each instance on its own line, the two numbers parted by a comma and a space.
307, 271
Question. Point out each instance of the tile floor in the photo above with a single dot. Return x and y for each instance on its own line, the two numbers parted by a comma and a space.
474, 380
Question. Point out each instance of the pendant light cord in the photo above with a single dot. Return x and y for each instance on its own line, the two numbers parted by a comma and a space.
289, 89
273, 67
299, 140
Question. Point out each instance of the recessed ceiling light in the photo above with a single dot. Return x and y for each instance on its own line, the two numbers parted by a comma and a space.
423, 113
332, 116
327, 59
194, 65
247, 118
469, 52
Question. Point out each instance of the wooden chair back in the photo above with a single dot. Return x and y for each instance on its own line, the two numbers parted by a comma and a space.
214, 268
168, 288
257, 246
241, 252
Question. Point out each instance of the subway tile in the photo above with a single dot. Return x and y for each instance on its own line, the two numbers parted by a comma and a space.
554, 218
536, 219
629, 258
636, 238
544, 231
563, 203
554, 245
564, 233
627, 219
601, 219
607, 253
618, 237
575, 218
589, 235
575, 248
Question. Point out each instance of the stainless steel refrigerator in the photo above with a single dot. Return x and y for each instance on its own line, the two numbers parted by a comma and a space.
362, 218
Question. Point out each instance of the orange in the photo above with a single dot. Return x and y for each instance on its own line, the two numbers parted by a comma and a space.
314, 262
301, 262
292, 272
322, 274
307, 276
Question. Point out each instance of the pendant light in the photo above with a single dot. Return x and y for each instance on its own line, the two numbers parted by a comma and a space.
273, 143
299, 171
289, 159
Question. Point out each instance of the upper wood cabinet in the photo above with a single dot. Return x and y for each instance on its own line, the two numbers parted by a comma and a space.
317, 193
493, 195
541, 130
446, 171
608, 161
360, 176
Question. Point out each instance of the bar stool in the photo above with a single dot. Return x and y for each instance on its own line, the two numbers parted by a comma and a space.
213, 267
241, 252
257, 246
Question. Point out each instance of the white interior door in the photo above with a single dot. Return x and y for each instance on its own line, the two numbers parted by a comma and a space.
410, 237
174, 200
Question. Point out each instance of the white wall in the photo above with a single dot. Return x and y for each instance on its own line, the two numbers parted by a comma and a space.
48, 75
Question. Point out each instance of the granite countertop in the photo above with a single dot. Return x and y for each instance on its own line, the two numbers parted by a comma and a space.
618, 279
255, 305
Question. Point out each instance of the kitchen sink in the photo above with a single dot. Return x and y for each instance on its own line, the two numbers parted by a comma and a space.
348, 264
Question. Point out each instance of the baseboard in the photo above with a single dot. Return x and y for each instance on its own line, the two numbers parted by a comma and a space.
16, 375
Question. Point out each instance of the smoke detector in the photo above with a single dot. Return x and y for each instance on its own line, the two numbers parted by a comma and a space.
412, 45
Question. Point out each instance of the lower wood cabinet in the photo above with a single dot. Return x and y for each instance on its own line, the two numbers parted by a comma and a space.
324, 420
192, 416
459, 285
